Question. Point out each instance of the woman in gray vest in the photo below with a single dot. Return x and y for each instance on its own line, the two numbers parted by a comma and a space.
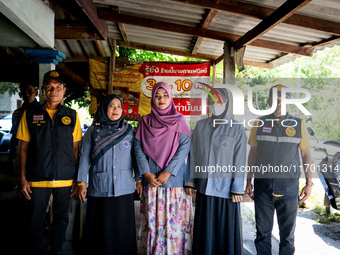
217, 154
106, 166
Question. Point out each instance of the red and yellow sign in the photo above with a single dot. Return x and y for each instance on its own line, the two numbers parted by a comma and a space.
139, 79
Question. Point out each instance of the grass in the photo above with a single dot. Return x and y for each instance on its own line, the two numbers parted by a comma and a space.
325, 218
315, 203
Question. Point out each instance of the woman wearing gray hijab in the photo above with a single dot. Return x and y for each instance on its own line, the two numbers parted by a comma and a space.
217, 154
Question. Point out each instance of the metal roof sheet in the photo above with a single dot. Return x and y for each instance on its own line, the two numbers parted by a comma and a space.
192, 15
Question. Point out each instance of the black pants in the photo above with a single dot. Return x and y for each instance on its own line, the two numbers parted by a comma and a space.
37, 208
286, 210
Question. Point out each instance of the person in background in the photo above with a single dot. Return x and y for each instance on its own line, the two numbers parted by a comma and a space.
106, 161
162, 144
218, 224
49, 135
28, 93
276, 145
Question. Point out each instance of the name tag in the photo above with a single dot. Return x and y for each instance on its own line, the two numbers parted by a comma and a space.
39, 123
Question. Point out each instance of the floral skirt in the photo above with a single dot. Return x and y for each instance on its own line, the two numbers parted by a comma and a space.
166, 222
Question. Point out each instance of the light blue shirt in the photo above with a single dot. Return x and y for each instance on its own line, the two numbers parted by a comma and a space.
220, 148
113, 174
177, 166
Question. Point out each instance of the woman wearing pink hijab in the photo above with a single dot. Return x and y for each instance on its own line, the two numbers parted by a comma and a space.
162, 144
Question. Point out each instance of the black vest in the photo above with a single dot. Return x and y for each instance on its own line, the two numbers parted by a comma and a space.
278, 154
50, 153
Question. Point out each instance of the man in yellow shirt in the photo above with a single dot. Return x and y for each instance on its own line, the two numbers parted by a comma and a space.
49, 135
276, 142
28, 93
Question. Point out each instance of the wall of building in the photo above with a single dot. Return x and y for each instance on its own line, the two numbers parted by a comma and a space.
8, 104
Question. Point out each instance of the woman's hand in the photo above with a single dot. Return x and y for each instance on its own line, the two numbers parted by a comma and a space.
82, 191
152, 180
236, 198
74, 189
190, 192
139, 188
163, 176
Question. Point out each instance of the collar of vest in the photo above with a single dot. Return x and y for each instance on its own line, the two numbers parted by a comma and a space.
58, 107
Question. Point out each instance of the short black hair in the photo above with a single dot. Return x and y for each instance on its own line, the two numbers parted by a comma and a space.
24, 85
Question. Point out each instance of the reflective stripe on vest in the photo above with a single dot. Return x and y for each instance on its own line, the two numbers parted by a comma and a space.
278, 139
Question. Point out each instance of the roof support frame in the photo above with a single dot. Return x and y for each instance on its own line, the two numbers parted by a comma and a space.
258, 12
194, 31
279, 15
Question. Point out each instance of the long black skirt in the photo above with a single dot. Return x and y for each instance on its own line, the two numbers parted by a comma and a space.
217, 226
110, 226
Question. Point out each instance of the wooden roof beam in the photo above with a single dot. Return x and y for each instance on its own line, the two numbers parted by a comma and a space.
258, 12
87, 12
121, 27
207, 21
249, 63
91, 12
75, 32
100, 48
201, 32
187, 54
258, 64
283, 12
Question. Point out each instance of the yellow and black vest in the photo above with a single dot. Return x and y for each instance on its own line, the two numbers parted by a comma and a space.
50, 154
278, 156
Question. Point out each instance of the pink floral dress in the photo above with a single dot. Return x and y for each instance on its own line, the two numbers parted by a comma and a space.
166, 221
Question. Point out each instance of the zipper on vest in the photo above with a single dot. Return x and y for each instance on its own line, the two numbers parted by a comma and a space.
54, 131
53, 150
278, 132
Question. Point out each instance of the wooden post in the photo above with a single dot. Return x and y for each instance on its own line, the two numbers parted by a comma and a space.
229, 72
214, 73
112, 68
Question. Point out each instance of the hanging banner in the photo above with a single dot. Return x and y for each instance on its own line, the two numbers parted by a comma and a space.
140, 79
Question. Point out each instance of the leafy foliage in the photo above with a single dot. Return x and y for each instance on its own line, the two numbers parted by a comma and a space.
148, 56
10, 87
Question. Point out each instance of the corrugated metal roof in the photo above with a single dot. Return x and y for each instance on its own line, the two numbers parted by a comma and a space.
192, 15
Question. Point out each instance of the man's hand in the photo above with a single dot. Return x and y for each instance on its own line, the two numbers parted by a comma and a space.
25, 188
163, 176
139, 188
305, 193
82, 191
249, 190
190, 192
74, 189
152, 180
236, 198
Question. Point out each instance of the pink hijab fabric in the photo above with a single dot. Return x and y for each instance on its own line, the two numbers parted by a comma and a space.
159, 131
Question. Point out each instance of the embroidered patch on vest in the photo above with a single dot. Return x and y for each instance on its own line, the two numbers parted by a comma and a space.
266, 129
38, 117
66, 120
126, 144
290, 131
225, 144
